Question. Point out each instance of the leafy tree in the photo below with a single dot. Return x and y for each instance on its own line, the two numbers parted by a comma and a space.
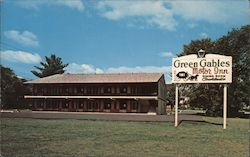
53, 65
237, 44
170, 94
12, 90
209, 96
206, 96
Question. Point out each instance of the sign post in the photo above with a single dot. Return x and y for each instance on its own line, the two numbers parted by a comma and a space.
201, 68
176, 105
225, 107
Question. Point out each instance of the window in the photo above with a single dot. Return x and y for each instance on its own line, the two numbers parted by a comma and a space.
133, 90
49, 104
134, 106
38, 103
88, 90
35, 90
123, 105
107, 90
65, 104
66, 90
123, 90
107, 105
96, 106
90, 105
42, 103
95, 90
60, 90
75, 90
56, 90
81, 104
80, 89
39, 90
44, 90
70, 90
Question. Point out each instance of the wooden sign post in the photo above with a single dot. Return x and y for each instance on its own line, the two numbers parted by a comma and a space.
176, 105
201, 68
225, 107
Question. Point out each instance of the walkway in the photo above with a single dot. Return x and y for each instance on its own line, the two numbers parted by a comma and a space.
100, 116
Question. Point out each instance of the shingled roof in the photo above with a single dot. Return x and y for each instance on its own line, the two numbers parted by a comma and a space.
99, 78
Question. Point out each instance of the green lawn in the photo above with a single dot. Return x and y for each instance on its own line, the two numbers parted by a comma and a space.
34, 137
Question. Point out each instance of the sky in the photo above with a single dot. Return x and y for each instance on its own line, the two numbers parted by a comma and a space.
113, 36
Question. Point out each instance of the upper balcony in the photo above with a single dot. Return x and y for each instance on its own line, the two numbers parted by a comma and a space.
96, 90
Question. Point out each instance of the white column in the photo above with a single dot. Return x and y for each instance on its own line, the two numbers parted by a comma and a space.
225, 107
176, 105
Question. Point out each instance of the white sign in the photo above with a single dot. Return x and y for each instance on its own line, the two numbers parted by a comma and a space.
210, 69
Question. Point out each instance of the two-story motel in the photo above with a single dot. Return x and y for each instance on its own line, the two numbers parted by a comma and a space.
128, 92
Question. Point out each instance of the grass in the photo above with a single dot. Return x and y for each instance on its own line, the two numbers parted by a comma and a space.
51, 138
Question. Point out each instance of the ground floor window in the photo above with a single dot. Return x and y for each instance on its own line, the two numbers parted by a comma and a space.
55, 104
76, 102
38, 103
134, 105
96, 105
81, 104
65, 105
90, 105
107, 105
48, 104
123, 105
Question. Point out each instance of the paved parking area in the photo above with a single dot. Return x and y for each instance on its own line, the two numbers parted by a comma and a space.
101, 116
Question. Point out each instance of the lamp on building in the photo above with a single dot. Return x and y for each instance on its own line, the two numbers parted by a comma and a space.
201, 53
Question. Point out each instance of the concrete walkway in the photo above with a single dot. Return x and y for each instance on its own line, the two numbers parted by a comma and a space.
101, 116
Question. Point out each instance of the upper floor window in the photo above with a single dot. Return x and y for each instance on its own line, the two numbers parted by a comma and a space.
123, 89
70, 90
133, 90
75, 90
88, 90
81, 90
107, 90
95, 90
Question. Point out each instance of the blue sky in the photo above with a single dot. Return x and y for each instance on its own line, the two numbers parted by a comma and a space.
110, 36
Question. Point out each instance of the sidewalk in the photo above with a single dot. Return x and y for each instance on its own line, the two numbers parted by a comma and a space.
100, 116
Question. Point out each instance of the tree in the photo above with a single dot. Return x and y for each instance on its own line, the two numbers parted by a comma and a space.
12, 90
209, 96
237, 44
53, 65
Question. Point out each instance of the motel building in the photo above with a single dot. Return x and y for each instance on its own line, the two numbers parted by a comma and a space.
126, 93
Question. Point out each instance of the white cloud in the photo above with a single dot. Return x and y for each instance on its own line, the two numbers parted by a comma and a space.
203, 35
167, 54
87, 68
25, 38
163, 14
139, 69
20, 56
82, 68
212, 11
150, 12
35, 4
